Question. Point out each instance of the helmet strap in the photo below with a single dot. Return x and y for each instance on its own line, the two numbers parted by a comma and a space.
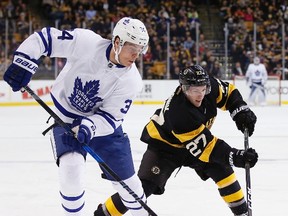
117, 52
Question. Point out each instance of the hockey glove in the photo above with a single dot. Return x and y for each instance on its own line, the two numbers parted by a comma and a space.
244, 118
239, 158
68, 137
19, 73
86, 131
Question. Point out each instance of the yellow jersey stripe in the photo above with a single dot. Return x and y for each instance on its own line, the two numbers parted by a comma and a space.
153, 133
207, 151
189, 135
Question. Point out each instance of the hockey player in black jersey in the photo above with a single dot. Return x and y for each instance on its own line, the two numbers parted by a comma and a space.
179, 134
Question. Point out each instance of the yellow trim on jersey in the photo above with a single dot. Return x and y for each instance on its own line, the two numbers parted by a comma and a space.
227, 181
153, 133
219, 98
234, 197
230, 89
189, 135
207, 151
111, 207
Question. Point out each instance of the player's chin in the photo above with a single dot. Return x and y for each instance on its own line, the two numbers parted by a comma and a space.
197, 103
127, 63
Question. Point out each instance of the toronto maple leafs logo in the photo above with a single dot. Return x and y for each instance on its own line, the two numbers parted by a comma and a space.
84, 98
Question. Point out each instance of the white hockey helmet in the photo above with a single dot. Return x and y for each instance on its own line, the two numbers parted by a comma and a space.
256, 60
133, 31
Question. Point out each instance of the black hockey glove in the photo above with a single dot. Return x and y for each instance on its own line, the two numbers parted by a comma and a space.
239, 158
244, 118
19, 73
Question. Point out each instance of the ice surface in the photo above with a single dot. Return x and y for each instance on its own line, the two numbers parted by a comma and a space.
28, 174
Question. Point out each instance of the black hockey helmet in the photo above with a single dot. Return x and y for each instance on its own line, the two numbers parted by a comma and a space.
194, 76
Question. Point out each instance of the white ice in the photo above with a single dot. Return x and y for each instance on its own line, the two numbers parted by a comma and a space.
28, 174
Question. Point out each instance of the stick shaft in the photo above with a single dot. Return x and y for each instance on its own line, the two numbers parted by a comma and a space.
248, 177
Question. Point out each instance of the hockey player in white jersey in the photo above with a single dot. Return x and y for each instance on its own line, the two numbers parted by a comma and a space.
92, 94
256, 77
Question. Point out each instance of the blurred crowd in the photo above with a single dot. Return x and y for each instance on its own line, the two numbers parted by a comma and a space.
181, 16
264, 16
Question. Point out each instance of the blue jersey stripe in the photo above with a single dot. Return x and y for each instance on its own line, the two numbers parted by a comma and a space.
49, 41
63, 110
108, 117
44, 41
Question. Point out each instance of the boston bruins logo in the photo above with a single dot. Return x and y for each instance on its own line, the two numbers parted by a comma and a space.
155, 170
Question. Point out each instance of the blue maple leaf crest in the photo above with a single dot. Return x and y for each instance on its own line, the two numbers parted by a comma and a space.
85, 98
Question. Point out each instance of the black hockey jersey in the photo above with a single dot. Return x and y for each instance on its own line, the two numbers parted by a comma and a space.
180, 124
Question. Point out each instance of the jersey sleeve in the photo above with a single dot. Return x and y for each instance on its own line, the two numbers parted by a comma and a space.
228, 96
52, 42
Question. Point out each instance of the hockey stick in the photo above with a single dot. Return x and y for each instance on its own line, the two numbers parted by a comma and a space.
248, 178
90, 151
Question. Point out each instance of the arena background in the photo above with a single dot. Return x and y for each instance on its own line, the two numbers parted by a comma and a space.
221, 35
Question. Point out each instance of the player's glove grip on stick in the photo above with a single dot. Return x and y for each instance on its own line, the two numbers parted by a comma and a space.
86, 130
239, 158
244, 118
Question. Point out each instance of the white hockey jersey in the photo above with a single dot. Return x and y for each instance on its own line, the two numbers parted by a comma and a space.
256, 73
89, 84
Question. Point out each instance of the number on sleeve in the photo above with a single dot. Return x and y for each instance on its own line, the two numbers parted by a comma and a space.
65, 36
127, 106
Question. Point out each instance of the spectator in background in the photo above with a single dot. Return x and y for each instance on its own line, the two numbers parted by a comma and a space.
90, 13
237, 70
67, 22
47, 7
189, 44
278, 71
22, 24
174, 69
184, 56
217, 70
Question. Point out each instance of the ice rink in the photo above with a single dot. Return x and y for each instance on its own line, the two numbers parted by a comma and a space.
28, 174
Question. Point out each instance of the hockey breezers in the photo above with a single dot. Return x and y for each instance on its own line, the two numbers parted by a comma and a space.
247, 172
90, 151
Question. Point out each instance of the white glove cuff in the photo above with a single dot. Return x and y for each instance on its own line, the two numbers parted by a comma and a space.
25, 63
90, 125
